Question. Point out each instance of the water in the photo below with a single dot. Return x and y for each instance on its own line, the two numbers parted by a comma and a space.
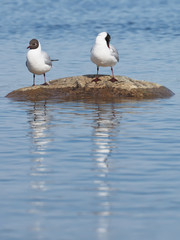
89, 170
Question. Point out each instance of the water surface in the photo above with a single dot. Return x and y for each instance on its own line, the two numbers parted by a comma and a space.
90, 170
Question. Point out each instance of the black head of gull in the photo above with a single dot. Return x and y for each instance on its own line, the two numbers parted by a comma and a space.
108, 38
33, 44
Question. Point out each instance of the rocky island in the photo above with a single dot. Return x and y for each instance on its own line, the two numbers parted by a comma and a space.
83, 87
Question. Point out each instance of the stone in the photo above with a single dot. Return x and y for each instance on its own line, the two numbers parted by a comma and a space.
82, 87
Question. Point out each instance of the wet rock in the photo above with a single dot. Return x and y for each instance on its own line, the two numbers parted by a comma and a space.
82, 87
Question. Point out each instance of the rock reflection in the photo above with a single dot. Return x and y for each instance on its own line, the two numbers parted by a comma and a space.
39, 120
105, 130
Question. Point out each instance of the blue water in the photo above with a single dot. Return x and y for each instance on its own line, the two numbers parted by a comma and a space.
89, 170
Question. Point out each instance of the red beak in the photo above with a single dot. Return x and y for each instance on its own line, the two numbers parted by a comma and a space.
28, 47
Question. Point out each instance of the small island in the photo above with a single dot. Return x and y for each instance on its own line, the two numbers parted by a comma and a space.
83, 87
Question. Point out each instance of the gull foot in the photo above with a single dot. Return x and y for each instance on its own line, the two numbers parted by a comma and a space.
45, 84
113, 80
96, 80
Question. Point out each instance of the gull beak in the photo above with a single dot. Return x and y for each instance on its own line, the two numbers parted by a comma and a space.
28, 47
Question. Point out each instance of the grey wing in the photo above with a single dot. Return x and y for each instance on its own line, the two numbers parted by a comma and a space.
114, 52
47, 59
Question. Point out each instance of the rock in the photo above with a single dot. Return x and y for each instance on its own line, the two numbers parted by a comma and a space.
82, 87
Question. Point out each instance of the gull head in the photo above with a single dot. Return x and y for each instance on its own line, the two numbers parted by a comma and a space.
103, 36
33, 44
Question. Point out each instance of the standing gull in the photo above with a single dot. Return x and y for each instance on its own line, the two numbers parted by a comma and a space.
103, 54
38, 62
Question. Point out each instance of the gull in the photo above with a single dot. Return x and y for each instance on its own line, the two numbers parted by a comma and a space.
103, 54
38, 62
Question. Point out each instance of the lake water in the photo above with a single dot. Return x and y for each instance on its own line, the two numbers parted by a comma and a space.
89, 170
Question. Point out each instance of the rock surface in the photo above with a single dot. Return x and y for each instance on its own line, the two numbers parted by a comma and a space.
82, 87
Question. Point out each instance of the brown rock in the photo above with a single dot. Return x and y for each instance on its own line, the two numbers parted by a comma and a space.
82, 87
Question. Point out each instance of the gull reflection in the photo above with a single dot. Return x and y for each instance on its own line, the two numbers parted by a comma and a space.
39, 120
105, 130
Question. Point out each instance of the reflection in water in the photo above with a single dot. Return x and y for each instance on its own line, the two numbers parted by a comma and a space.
104, 133
39, 123
105, 130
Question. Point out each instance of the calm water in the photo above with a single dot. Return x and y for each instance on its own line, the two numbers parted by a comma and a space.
88, 170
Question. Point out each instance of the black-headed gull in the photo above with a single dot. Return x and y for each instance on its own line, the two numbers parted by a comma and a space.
103, 54
38, 62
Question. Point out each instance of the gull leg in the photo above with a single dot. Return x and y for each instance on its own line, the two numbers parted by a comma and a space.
45, 83
97, 76
33, 80
113, 79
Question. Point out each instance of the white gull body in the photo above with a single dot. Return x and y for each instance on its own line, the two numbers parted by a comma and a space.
103, 54
38, 62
